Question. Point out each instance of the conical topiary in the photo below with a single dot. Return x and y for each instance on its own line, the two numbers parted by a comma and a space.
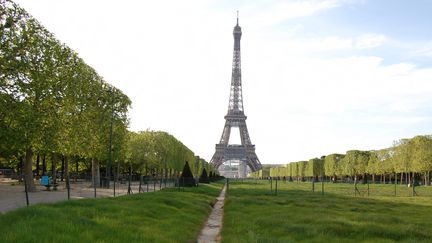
204, 178
186, 178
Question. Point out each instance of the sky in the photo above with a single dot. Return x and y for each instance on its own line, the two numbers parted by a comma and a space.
319, 76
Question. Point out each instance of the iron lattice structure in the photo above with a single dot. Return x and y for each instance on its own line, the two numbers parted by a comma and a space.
236, 118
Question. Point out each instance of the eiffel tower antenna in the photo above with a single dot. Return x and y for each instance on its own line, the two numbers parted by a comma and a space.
237, 16
245, 152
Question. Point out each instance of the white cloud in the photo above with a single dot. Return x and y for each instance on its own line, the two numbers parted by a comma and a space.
425, 51
370, 41
274, 13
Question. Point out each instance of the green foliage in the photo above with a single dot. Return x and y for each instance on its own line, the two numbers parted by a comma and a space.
315, 167
302, 167
405, 156
50, 99
332, 164
160, 153
422, 156
355, 162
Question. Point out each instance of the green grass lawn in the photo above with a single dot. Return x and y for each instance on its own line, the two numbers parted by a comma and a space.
252, 214
164, 216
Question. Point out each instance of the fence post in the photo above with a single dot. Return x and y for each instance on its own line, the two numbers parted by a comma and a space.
94, 185
368, 187
322, 185
413, 187
25, 189
271, 184
313, 184
114, 183
183, 183
68, 185
140, 183
130, 180
355, 187
395, 183
178, 183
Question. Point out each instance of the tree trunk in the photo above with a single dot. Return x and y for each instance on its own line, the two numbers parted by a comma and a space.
409, 178
27, 169
373, 178
384, 179
20, 168
62, 169
425, 179
95, 172
66, 167
401, 178
44, 167
37, 165
428, 179
76, 170
53, 167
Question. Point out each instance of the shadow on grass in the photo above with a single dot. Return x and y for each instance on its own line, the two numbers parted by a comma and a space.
252, 214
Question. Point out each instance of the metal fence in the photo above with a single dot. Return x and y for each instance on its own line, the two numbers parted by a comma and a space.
13, 193
356, 189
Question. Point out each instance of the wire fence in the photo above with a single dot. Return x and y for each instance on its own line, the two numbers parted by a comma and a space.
364, 189
13, 193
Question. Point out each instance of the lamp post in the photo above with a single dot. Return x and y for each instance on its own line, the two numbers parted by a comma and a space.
108, 174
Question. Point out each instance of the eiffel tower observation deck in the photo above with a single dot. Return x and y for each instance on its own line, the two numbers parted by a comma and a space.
243, 154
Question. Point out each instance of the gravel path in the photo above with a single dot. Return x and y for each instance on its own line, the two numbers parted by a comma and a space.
211, 231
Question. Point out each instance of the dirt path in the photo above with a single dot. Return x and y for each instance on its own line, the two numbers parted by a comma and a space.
211, 231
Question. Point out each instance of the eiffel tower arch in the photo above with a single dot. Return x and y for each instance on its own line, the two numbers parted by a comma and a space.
244, 152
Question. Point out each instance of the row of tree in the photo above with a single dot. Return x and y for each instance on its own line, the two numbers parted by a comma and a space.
51, 101
407, 159
155, 153
56, 108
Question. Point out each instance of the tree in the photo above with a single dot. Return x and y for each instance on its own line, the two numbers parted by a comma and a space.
422, 156
332, 165
204, 178
354, 163
315, 168
186, 178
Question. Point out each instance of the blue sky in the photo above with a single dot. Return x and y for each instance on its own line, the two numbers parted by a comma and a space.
319, 76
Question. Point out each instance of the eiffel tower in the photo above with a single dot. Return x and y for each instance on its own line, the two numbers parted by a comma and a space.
245, 153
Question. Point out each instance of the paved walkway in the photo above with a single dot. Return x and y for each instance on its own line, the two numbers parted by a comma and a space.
12, 195
211, 231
